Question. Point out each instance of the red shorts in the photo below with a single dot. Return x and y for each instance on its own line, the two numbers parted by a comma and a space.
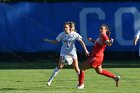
95, 61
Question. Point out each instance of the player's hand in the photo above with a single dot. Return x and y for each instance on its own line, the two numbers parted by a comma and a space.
46, 40
89, 38
135, 43
87, 53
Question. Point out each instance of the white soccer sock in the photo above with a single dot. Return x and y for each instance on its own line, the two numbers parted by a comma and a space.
55, 72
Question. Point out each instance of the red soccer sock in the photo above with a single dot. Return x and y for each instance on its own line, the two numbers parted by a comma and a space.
81, 77
107, 73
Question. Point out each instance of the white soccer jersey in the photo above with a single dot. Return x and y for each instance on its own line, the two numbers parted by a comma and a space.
68, 43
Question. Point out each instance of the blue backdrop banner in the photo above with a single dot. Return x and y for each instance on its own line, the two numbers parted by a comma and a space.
23, 25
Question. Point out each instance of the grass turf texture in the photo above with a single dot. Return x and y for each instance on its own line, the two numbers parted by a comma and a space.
32, 77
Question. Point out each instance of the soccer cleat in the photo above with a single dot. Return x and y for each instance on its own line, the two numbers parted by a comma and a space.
117, 79
80, 86
49, 83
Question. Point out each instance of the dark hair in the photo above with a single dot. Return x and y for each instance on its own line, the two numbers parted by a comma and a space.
67, 23
108, 30
70, 23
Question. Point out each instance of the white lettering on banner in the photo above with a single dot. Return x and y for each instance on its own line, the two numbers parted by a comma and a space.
83, 21
118, 23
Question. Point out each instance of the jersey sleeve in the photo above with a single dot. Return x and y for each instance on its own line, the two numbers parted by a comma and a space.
78, 37
59, 37
137, 34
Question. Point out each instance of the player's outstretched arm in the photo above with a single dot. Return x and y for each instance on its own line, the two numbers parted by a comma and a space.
135, 41
136, 37
84, 46
51, 41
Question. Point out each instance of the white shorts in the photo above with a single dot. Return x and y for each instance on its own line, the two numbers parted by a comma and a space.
73, 54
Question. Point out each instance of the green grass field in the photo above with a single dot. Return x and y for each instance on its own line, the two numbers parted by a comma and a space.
19, 79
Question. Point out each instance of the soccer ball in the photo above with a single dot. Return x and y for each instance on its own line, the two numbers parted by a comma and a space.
67, 60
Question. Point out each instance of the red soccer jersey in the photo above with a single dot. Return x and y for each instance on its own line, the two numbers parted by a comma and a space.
98, 50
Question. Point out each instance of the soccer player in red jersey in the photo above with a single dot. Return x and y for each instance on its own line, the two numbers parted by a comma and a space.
96, 58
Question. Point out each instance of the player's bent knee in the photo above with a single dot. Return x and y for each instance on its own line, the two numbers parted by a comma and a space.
99, 72
60, 67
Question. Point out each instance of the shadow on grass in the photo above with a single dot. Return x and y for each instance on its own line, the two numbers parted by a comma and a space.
24, 89
9, 89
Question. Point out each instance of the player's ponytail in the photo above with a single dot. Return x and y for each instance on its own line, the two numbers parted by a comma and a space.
108, 34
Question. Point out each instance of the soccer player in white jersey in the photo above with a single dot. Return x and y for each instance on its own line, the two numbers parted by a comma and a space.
68, 38
137, 36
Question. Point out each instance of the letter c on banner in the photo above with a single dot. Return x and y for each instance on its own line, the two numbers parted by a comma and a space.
118, 24
83, 21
